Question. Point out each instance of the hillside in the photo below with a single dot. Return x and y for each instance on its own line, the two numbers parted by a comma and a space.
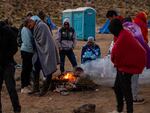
16, 9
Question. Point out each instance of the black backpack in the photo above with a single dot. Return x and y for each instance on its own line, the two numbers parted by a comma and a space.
19, 40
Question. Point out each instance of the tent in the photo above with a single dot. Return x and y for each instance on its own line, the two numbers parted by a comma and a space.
104, 28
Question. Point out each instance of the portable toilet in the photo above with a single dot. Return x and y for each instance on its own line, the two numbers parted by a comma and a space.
83, 20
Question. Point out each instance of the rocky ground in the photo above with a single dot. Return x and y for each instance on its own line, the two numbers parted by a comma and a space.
54, 102
16, 9
104, 98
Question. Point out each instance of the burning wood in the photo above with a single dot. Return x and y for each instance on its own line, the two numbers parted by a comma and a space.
70, 77
74, 81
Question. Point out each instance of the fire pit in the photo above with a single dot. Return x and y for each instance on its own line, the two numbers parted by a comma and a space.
73, 81
64, 82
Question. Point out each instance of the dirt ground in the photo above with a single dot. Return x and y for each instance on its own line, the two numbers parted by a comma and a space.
56, 103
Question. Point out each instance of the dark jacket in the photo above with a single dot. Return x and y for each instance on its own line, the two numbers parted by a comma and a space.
8, 45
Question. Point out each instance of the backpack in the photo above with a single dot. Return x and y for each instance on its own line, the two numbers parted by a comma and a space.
19, 40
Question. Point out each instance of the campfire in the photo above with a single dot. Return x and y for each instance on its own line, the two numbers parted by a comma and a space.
73, 81
67, 77
70, 77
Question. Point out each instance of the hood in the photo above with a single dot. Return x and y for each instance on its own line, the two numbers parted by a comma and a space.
142, 16
35, 18
66, 20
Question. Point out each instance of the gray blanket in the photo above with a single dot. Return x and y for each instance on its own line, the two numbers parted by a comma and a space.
45, 48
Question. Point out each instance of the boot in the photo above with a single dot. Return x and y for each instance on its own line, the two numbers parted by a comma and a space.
46, 86
35, 85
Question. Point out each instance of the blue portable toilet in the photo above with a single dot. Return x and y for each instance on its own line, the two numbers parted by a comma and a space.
83, 20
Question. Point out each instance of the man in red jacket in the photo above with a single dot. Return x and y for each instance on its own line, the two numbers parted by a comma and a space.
129, 57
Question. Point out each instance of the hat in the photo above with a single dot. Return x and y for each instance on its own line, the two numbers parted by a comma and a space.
35, 18
90, 39
66, 20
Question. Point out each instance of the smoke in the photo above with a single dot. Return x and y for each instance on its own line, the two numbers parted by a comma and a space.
102, 71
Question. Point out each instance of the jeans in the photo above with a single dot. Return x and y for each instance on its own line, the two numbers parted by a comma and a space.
26, 68
7, 75
135, 86
71, 56
122, 90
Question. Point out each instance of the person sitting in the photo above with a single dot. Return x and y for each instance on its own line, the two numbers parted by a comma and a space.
90, 51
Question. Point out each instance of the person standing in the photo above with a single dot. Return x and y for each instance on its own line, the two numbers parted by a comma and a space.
26, 55
66, 40
47, 20
45, 55
141, 21
112, 14
136, 31
8, 48
126, 53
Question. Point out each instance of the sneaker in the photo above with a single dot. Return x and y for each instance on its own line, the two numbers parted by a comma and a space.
34, 92
138, 101
25, 90
115, 112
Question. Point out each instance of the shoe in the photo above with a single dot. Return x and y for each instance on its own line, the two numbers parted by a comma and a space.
25, 90
115, 112
45, 88
138, 101
34, 92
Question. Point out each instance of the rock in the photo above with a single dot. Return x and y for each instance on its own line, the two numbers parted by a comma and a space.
86, 108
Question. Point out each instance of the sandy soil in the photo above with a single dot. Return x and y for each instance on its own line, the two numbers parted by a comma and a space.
56, 103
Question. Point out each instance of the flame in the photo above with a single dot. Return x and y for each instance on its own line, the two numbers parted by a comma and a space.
70, 77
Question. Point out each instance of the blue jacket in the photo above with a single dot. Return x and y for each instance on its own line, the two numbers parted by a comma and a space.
90, 53
27, 40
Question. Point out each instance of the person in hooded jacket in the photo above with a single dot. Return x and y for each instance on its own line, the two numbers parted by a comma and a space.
141, 21
90, 51
45, 54
137, 33
129, 58
66, 40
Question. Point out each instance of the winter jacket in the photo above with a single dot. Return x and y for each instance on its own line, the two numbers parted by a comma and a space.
66, 38
136, 31
66, 42
127, 54
141, 21
90, 53
27, 40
